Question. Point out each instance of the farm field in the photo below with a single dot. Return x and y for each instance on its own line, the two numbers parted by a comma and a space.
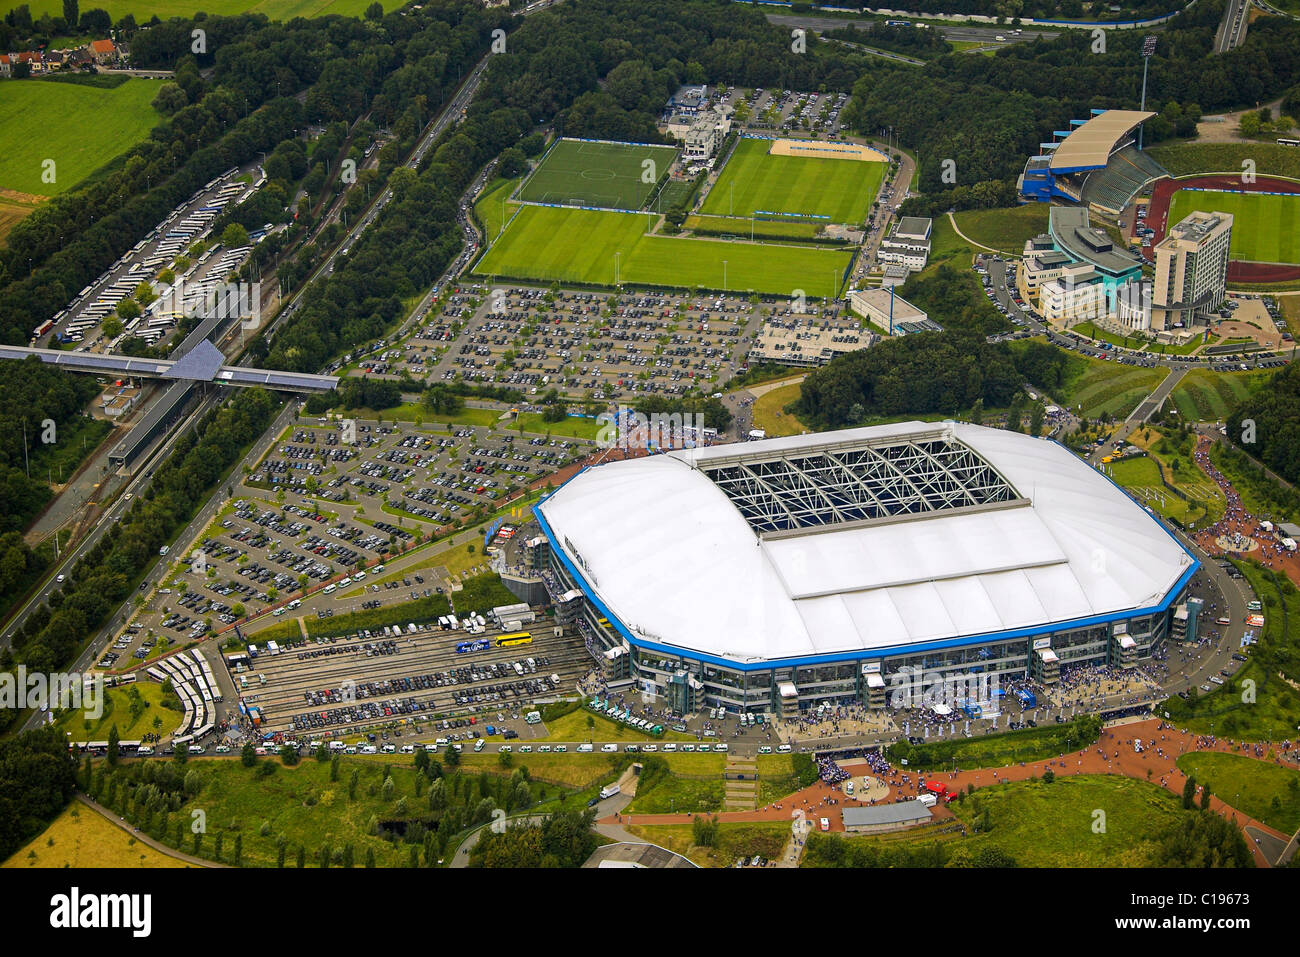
755, 182
575, 245
1263, 227
1208, 396
581, 173
14, 208
81, 837
144, 10
80, 128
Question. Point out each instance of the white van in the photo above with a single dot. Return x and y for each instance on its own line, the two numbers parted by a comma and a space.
582, 748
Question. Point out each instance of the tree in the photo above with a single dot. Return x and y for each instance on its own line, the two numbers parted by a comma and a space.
1189, 793
170, 99
375, 11
113, 746
1250, 124
512, 163
234, 235
248, 755
71, 14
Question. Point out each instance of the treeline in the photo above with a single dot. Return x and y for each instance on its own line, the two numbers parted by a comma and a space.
954, 297
1267, 424
103, 577
923, 373
37, 778
1011, 10
561, 839
31, 393
915, 41
974, 119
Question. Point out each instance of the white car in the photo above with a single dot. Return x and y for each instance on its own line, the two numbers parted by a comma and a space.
525, 749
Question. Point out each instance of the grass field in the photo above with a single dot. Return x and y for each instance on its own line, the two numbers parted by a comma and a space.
735, 840
770, 414
79, 127
117, 711
1266, 792
1263, 227
755, 228
1185, 159
144, 10
754, 182
82, 838
1004, 229
1048, 825
576, 245
1095, 386
1205, 396
611, 175
489, 206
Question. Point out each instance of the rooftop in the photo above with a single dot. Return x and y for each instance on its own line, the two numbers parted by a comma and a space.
1090, 145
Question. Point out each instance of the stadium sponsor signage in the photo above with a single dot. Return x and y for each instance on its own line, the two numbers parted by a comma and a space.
1041, 643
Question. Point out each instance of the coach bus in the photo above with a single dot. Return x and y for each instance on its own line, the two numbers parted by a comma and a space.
515, 638
1284, 141
480, 644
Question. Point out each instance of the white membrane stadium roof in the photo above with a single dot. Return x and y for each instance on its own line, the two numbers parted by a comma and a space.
674, 559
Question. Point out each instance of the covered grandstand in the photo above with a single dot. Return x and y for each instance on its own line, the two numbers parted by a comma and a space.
778, 574
1095, 163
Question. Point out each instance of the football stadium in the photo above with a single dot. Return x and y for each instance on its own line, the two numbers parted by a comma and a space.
783, 573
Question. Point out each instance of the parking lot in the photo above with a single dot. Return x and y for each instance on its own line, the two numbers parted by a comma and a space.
315, 508
583, 344
331, 687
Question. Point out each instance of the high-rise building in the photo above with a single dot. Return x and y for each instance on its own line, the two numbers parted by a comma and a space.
1191, 270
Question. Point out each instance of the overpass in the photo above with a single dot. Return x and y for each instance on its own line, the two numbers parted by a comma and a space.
203, 363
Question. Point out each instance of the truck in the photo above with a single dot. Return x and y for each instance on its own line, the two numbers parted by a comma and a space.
609, 792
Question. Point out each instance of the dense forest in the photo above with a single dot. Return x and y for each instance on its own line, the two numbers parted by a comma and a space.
927, 372
37, 776
1274, 411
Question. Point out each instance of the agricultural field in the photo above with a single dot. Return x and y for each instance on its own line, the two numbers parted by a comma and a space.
81, 837
1004, 229
1263, 226
1095, 386
576, 245
145, 10
14, 208
609, 175
755, 182
1205, 396
79, 127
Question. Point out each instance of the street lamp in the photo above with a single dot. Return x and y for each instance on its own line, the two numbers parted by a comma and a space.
1148, 50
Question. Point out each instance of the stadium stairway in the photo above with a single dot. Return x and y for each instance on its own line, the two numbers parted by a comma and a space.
740, 778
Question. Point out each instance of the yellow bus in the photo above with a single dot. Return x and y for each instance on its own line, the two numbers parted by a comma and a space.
515, 638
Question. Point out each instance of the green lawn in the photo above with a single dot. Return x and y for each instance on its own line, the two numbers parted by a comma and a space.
1263, 790
1046, 825
1207, 396
117, 711
734, 840
1185, 159
770, 414
1004, 229
489, 208
611, 175
755, 182
752, 228
166, 9
575, 245
1095, 386
1263, 227
80, 128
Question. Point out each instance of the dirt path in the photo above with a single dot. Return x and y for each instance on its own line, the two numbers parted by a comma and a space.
144, 838
1112, 754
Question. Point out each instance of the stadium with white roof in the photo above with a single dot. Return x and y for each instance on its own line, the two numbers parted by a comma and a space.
775, 575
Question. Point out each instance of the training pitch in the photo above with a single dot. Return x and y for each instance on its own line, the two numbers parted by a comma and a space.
578, 245
754, 181
608, 175
1263, 226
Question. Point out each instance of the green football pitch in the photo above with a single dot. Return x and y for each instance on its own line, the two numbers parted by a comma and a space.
755, 182
609, 175
1263, 227
578, 245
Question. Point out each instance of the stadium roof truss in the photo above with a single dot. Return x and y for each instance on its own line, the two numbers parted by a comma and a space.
855, 483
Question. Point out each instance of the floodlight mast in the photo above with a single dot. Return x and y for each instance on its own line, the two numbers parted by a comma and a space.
1148, 50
